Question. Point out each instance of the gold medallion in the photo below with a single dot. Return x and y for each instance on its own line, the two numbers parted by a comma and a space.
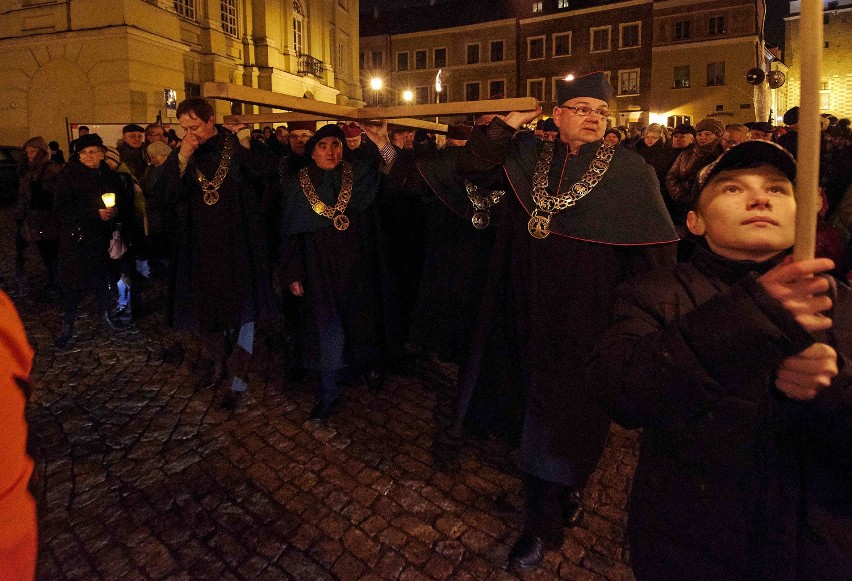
319, 207
539, 226
211, 197
341, 222
480, 220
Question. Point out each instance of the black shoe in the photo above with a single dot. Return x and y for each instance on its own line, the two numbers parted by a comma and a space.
375, 380
211, 377
107, 321
322, 411
64, 336
231, 399
529, 550
572, 508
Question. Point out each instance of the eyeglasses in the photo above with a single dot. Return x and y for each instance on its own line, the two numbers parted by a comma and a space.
585, 111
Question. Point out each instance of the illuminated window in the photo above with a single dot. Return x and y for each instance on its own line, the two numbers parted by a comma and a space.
538, 6
628, 82
681, 77
298, 22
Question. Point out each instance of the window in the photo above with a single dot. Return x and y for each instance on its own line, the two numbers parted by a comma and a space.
341, 57
628, 82
421, 95
716, 73
185, 8
496, 88
471, 91
563, 4
377, 59
562, 44
675, 120
600, 39
682, 29
716, 25
535, 88
824, 100
298, 22
228, 10
537, 7
440, 58
681, 77
419, 59
472, 54
535, 48
402, 61
630, 35
192, 90
497, 51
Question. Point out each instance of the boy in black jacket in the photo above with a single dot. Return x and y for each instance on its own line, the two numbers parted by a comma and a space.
738, 368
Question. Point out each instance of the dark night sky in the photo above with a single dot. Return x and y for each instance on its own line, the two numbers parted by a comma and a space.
775, 13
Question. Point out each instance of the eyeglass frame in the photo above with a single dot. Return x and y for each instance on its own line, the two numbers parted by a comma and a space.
576, 109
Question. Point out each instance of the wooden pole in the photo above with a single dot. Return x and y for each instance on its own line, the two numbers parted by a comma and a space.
264, 98
286, 117
807, 176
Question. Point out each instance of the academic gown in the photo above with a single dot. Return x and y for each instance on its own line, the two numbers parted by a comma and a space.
341, 271
456, 262
219, 279
546, 301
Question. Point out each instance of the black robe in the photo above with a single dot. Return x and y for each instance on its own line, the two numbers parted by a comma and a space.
456, 261
341, 271
548, 300
220, 278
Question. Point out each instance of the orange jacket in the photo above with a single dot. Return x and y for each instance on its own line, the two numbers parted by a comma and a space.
17, 506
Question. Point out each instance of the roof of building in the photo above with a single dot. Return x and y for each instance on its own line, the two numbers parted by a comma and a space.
441, 14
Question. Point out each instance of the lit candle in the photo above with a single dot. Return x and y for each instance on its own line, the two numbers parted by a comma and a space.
109, 199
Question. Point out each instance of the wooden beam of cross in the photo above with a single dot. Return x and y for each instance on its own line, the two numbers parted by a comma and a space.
272, 118
264, 98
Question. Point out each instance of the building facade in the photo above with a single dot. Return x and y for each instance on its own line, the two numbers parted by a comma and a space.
702, 50
91, 61
558, 39
836, 93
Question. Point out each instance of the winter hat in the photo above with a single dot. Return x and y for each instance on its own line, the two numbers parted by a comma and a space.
331, 130
112, 153
297, 125
89, 140
684, 129
764, 126
352, 130
132, 127
712, 125
158, 148
791, 117
38, 142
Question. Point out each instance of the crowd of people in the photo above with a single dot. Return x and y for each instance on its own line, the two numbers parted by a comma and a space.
576, 274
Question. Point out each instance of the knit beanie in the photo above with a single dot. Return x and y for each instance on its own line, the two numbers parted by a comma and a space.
712, 125
112, 153
158, 148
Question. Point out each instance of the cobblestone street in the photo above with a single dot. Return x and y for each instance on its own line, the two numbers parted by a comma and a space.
140, 476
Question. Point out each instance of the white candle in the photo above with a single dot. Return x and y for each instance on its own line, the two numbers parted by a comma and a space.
109, 199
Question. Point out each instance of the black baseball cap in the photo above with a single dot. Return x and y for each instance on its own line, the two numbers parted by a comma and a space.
749, 154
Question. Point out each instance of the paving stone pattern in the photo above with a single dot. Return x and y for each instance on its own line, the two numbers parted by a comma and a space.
139, 476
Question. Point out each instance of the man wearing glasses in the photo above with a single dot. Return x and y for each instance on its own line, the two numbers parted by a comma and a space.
583, 216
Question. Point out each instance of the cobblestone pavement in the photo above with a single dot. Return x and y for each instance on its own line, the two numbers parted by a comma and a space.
139, 476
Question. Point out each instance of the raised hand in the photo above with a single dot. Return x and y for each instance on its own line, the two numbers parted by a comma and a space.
796, 287
518, 118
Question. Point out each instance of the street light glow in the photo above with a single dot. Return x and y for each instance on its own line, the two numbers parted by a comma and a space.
408, 95
376, 84
569, 77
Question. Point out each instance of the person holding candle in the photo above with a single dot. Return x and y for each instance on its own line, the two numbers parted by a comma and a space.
738, 368
88, 198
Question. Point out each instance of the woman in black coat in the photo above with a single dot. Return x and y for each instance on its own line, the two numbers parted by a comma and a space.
85, 230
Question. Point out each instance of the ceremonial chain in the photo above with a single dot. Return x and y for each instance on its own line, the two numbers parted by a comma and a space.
548, 205
340, 221
481, 204
211, 187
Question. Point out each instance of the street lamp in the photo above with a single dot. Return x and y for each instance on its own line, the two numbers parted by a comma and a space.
569, 77
376, 85
408, 96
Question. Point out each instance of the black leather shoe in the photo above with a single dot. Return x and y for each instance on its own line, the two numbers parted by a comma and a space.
529, 550
572, 508
375, 380
211, 377
322, 411
231, 399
